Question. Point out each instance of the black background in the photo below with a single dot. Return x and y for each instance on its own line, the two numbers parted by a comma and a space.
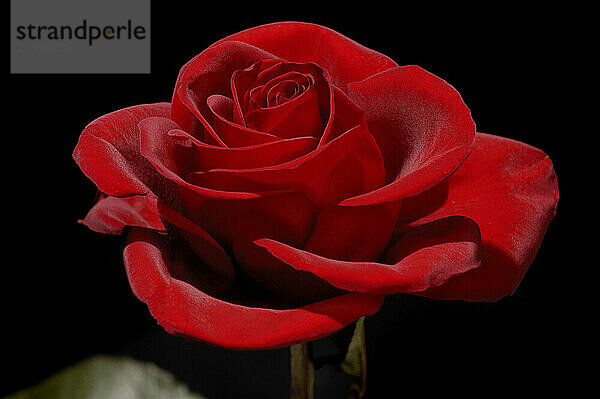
65, 294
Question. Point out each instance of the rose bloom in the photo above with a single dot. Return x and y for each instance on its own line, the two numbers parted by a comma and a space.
296, 178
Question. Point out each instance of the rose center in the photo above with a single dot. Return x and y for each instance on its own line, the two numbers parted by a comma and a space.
278, 90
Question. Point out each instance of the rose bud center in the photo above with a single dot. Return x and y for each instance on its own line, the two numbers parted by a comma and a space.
282, 98
279, 90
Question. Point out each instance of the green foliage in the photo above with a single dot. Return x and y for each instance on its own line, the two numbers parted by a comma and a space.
107, 377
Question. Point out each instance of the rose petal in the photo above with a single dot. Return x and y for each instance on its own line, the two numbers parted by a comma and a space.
292, 82
111, 214
509, 188
226, 215
183, 309
241, 81
204, 246
345, 114
280, 278
286, 217
305, 115
298, 117
343, 58
233, 134
340, 112
353, 233
173, 160
257, 156
206, 74
349, 165
422, 258
421, 125
284, 89
108, 151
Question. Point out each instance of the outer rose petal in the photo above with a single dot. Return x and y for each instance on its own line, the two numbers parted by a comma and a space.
421, 125
424, 257
111, 214
509, 188
185, 310
108, 151
344, 59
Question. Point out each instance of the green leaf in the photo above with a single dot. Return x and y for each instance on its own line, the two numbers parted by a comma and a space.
107, 377
355, 363
355, 357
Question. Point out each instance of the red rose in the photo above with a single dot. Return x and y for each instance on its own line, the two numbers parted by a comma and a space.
296, 178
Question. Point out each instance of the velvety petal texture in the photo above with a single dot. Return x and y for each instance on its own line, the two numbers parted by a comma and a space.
423, 258
108, 151
421, 125
344, 59
510, 190
297, 178
111, 214
184, 309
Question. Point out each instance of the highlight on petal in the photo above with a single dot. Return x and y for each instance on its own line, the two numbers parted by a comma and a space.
344, 59
421, 125
206, 74
422, 258
196, 313
108, 151
111, 214
509, 188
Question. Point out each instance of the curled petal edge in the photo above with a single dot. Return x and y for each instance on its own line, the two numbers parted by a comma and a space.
184, 310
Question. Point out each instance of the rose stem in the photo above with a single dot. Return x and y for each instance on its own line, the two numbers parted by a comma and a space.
302, 372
